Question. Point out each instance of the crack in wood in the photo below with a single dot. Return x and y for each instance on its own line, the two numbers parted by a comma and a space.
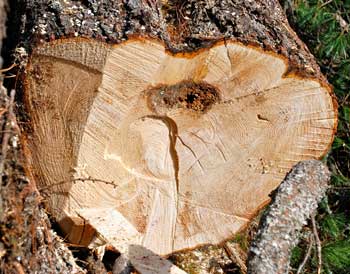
173, 135
262, 118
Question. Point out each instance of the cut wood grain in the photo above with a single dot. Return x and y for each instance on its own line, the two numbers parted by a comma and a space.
190, 143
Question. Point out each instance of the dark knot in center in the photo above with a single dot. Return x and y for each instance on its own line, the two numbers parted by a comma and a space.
195, 96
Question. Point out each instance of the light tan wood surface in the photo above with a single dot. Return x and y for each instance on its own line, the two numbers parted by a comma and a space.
177, 150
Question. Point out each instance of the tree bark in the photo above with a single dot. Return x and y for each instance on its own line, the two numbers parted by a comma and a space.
3, 7
27, 244
259, 23
293, 203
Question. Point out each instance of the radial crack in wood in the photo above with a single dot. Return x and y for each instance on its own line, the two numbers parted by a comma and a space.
192, 144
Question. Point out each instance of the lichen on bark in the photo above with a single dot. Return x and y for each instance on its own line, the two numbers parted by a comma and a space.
295, 200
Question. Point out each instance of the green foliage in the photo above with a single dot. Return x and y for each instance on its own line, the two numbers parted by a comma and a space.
326, 22
325, 27
297, 256
336, 257
333, 226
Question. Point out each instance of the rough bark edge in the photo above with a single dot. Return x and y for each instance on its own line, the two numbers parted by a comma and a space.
27, 244
184, 26
294, 201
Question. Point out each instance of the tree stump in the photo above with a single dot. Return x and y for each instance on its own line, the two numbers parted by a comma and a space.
166, 124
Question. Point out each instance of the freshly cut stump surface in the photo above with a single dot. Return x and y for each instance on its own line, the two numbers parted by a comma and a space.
168, 151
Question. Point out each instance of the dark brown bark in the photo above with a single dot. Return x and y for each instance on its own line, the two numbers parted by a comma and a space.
293, 204
182, 25
3, 7
27, 244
